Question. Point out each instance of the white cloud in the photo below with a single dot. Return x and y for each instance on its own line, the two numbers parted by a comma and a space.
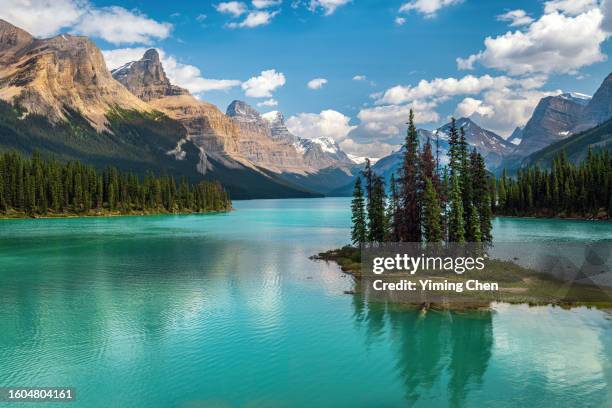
120, 26
263, 85
471, 106
467, 63
359, 78
606, 9
511, 108
261, 4
269, 102
328, 123
370, 150
44, 18
183, 75
41, 18
328, 6
317, 83
428, 8
443, 87
235, 8
571, 7
255, 19
399, 21
384, 123
516, 17
555, 43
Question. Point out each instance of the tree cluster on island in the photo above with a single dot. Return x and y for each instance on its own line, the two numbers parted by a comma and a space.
36, 186
426, 202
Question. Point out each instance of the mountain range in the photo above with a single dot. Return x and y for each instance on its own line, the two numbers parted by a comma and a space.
58, 97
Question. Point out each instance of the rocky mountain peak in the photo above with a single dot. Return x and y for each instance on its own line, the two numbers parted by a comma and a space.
152, 55
146, 78
53, 76
553, 119
599, 108
243, 111
13, 37
278, 129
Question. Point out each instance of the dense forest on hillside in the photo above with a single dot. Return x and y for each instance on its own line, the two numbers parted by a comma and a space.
47, 187
581, 190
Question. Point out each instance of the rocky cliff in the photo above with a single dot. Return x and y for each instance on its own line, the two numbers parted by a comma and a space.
599, 109
553, 119
146, 78
57, 76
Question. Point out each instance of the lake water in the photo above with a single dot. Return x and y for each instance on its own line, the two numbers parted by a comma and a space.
228, 311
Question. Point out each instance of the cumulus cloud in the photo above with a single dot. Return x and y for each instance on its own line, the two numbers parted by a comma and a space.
511, 107
120, 26
516, 18
235, 8
385, 123
359, 78
117, 25
443, 87
263, 85
255, 19
317, 83
268, 103
400, 21
328, 123
373, 150
261, 4
328, 6
560, 41
183, 75
428, 8
571, 7
470, 106
606, 9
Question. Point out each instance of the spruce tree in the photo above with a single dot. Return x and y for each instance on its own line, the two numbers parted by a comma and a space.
393, 211
376, 212
410, 229
431, 214
456, 226
472, 231
359, 228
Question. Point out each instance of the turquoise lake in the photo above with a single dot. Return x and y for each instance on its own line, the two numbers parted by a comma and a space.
229, 311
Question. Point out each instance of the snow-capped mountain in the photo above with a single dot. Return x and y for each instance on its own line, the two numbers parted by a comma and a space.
318, 152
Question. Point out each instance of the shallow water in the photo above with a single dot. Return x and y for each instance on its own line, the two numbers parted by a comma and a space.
227, 310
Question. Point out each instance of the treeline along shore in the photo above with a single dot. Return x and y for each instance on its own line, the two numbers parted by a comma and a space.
45, 187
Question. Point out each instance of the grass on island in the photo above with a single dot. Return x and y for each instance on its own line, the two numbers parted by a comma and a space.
517, 285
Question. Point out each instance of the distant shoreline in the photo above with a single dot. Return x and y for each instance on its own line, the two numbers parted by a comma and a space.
23, 216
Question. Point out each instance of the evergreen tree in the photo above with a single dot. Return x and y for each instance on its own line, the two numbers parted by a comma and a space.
472, 233
431, 214
376, 212
359, 229
456, 226
393, 211
410, 228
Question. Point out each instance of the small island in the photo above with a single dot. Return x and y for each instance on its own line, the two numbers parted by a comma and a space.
454, 204
37, 187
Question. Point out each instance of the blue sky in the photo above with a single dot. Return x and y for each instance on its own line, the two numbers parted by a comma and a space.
267, 51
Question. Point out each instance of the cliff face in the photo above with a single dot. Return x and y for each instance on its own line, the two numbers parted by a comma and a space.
553, 119
54, 76
599, 109
257, 144
146, 78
